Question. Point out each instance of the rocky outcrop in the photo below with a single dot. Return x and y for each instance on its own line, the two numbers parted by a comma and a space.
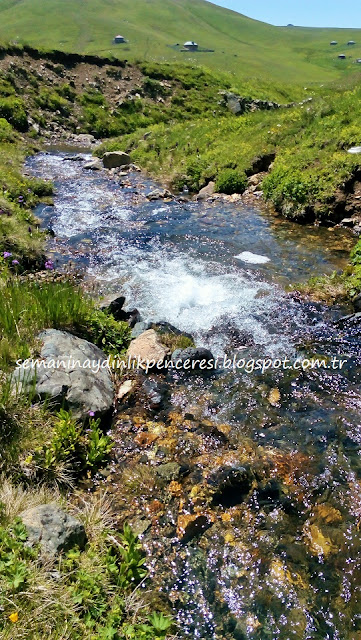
52, 528
114, 159
239, 105
67, 374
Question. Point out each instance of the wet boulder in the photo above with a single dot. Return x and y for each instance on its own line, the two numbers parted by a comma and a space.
147, 350
357, 303
193, 359
67, 373
139, 328
115, 307
94, 165
159, 194
155, 393
206, 192
114, 159
52, 528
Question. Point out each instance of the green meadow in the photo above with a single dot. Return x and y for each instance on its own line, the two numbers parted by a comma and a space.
243, 47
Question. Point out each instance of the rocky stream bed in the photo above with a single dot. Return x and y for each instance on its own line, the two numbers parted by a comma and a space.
244, 486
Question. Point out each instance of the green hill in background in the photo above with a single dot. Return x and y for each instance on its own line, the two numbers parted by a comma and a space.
153, 28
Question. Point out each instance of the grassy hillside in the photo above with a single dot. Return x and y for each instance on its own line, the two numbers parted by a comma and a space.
242, 46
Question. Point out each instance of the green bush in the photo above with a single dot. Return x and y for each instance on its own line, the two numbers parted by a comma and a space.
231, 181
13, 110
153, 88
109, 334
51, 100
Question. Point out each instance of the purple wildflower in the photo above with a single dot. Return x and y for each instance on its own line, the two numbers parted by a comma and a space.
49, 264
7, 254
91, 413
15, 262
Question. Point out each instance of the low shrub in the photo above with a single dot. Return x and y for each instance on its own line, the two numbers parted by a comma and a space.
74, 449
109, 334
231, 181
6, 131
52, 100
13, 110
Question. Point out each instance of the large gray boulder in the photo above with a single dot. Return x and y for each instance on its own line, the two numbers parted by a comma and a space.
54, 529
70, 372
113, 159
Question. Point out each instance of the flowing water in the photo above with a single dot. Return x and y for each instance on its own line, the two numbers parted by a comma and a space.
286, 562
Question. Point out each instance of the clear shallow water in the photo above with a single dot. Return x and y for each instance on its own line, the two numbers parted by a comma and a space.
178, 262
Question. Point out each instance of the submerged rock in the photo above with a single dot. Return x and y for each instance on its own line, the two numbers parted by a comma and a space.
67, 374
113, 159
230, 485
54, 529
169, 471
193, 525
155, 393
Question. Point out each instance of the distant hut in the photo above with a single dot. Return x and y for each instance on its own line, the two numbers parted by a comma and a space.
333, 43
342, 56
351, 42
191, 45
119, 40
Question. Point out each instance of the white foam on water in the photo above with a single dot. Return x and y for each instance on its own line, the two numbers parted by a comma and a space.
192, 295
252, 258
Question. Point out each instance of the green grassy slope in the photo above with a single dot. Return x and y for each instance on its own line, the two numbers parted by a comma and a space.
244, 47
